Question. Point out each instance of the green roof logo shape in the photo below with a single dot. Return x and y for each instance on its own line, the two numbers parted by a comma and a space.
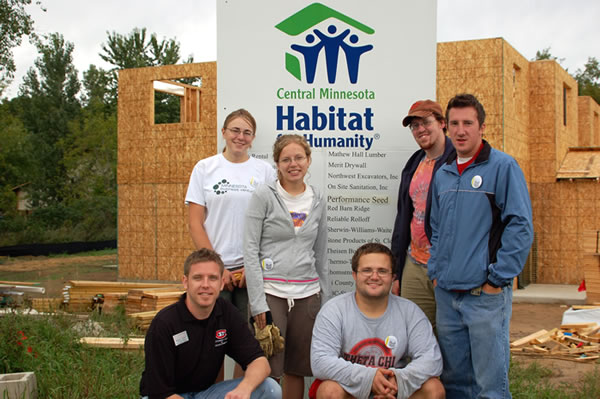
330, 43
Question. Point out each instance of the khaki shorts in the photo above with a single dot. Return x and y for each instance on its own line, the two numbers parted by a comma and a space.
296, 327
417, 287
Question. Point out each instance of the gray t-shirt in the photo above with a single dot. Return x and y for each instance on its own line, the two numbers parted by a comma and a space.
348, 347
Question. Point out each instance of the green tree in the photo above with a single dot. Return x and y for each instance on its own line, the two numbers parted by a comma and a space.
545, 54
138, 50
49, 102
91, 161
15, 159
15, 22
588, 79
96, 88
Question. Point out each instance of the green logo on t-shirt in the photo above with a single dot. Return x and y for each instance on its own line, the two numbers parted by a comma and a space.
218, 189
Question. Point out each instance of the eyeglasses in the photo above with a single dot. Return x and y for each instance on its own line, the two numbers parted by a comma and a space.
368, 272
297, 159
236, 131
416, 125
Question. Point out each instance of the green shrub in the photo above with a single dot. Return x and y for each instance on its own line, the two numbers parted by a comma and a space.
64, 368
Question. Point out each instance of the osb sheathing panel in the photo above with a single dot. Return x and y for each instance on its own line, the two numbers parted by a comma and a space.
589, 121
471, 67
581, 163
591, 242
516, 106
153, 169
543, 116
562, 212
591, 263
567, 135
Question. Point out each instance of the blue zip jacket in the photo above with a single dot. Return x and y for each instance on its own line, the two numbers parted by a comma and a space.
481, 222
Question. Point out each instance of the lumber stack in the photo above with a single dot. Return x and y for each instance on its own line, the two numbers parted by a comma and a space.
146, 299
158, 300
591, 264
46, 304
152, 300
79, 294
578, 342
112, 300
143, 319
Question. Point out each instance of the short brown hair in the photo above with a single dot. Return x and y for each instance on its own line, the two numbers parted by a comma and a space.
202, 255
466, 100
372, 248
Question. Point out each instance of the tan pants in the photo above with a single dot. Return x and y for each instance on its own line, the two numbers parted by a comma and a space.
417, 287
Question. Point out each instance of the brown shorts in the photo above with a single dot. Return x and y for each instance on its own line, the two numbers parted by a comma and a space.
296, 327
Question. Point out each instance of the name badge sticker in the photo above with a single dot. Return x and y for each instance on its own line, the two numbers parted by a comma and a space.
267, 264
180, 338
391, 341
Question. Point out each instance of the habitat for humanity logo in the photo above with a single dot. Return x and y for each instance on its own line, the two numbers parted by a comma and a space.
330, 43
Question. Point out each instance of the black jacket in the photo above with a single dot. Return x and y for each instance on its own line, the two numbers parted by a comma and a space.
401, 233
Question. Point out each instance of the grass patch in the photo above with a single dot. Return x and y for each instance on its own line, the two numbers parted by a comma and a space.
534, 381
64, 368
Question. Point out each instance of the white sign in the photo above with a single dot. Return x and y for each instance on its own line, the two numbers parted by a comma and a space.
342, 73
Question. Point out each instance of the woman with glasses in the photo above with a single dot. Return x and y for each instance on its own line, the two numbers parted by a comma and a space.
218, 194
285, 242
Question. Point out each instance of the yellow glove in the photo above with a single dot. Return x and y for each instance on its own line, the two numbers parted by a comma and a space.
277, 339
264, 338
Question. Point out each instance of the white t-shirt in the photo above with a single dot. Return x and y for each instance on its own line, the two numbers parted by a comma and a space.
298, 205
224, 188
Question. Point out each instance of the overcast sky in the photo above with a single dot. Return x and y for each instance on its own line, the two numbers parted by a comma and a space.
570, 28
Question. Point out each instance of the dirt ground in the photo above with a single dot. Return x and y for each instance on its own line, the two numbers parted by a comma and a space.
53, 272
528, 318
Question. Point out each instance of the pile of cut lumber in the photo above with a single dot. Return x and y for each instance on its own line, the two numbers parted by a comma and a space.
79, 294
143, 304
146, 299
46, 304
143, 319
158, 300
578, 342
112, 300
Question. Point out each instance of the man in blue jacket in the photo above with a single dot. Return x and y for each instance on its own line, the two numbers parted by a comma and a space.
410, 239
481, 235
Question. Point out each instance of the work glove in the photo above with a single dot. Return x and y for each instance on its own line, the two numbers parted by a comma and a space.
269, 338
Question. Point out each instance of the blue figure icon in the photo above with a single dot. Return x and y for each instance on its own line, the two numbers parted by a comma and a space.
311, 55
353, 54
332, 46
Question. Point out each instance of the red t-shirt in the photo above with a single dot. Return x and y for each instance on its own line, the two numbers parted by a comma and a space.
463, 166
419, 187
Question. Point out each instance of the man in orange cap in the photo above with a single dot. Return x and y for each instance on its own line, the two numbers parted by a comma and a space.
410, 239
